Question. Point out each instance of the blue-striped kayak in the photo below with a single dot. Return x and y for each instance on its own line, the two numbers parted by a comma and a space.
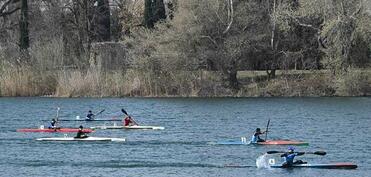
324, 166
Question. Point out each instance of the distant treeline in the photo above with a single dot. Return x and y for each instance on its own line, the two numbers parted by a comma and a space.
186, 47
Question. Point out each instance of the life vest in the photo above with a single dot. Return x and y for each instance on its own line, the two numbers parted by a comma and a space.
289, 158
127, 121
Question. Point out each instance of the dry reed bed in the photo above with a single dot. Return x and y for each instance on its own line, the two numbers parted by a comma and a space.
26, 81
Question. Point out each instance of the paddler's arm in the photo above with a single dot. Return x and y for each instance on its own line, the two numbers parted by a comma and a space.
262, 133
300, 153
132, 120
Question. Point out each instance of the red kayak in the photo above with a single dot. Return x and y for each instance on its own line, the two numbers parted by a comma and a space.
58, 130
283, 142
244, 141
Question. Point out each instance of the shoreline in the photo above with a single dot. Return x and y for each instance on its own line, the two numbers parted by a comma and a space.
189, 97
182, 84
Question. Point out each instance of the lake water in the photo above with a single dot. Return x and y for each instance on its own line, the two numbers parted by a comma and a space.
339, 126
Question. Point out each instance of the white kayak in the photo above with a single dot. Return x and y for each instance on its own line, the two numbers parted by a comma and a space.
90, 138
138, 127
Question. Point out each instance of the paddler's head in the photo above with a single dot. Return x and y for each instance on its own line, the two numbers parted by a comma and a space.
291, 149
257, 129
81, 127
90, 111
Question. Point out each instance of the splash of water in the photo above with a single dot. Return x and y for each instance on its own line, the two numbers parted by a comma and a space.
262, 161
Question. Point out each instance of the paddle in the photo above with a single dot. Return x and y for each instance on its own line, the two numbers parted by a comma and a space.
99, 112
315, 153
266, 130
57, 117
123, 110
93, 117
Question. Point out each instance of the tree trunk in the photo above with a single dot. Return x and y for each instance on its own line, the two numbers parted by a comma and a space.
271, 73
23, 27
154, 10
233, 81
102, 28
159, 11
148, 14
231, 74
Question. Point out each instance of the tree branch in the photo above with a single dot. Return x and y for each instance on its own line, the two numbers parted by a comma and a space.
9, 12
230, 16
4, 6
212, 40
357, 11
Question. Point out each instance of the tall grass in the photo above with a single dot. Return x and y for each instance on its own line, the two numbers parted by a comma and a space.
25, 81
354, 83
134, 83
28, 81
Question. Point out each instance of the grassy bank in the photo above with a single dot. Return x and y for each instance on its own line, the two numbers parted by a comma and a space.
25, 81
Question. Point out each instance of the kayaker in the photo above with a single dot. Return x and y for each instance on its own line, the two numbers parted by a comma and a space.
128, 121
53, 124
256, 137
81, 133
289, 157
90, 115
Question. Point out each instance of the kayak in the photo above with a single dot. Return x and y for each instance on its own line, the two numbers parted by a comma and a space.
129, 127
283, 142
90, 138
325, 166
243, 141
58, 130
88, 120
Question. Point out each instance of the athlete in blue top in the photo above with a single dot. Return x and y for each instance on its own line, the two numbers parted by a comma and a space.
289, 157
256, 137
90, 116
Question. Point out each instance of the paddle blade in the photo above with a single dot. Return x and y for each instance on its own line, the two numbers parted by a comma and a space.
266, 130
320, 153
274, 152
123, 110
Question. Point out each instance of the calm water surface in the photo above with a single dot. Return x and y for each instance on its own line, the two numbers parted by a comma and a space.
339, 126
